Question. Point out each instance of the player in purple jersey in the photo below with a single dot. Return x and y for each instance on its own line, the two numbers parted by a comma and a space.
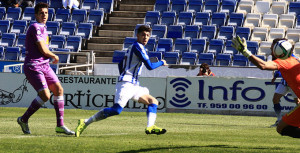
39, 73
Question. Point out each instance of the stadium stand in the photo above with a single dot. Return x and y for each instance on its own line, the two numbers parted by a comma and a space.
202, 18
28, 14
223, 60
181, 45
185, 18
168, 18
159, 31
189, 58
8, 39
73, 43
211, 6
264, 48
53, 27
2, 13
57, 41
162, 5
62, 15
13, 13
152, 17
78, 15
4, 26
236, 19
191, 31
245, 6
228, 6
198, 45
118, 56
175, 31
21, 40
96, 17
178, 6
12, 53
164, 45
106, 5
157, 55
229, 49
68, 28
206, 58
151, 45
90, 5
127, 42
195, 6
19, 26
85, 30
240, 60
1, 53
226, 32
215, 46
171, 57
218, 19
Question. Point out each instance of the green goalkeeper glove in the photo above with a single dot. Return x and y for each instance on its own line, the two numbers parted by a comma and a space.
241, 46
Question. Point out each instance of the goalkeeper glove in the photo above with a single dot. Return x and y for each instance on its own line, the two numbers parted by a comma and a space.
241, 46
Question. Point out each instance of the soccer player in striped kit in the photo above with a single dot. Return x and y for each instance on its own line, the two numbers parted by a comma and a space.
128, 85
39, 73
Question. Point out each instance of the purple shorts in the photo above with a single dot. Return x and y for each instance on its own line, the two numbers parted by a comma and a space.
40, 76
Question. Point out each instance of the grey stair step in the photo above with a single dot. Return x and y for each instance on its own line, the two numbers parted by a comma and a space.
103, 60
104, 47
122, 20
138, 2
122, 27
114, 33
108, 53
136, 8
107, 40
128, 14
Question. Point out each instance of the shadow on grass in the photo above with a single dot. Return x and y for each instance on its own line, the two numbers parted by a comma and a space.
187, 147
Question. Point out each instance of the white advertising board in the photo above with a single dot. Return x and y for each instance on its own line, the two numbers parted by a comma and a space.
80, 92
245, 96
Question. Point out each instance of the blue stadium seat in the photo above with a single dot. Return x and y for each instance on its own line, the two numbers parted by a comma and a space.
73, 43
178, 5
159, 31
226, 32
168, 18
23, 54
28, 14
215, 46
294, 8
44, 1
2, 13
195, 6
211, 5
68, 28
240, 60
185, 18
223, 60
259, 56
243, 32
118, 56
63, 58
164, 45
85, 30
106, 5
62, 15
21, 40
191, 31
57, 41
162, 5
51, 14
90, 5
253, 46
202, 18
8, 39
297, 26
171, 57
181, 45
218, 19
229, 49
175, 31
155, 54
152, 17
96, 17
4, 26
56, 4
53, 27
1, 52
128, 41
208, 32
151, 45
236, 19
228, 6
12, 53
198, 45
206, 58
13, 13
78, 15
19, 26
189, 58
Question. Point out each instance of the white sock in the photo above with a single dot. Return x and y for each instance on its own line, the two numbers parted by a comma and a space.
151, 119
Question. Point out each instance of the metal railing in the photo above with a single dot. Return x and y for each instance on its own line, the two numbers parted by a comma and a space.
89, 66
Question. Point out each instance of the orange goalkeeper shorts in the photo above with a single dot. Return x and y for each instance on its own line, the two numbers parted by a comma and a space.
293, 117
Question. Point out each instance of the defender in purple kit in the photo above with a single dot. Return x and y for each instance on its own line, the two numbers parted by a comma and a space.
39, 73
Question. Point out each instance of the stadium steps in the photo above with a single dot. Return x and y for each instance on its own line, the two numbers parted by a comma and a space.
118, 25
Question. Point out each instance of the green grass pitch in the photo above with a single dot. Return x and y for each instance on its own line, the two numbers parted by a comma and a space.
125, 133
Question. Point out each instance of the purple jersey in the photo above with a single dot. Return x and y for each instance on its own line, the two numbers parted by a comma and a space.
35, 33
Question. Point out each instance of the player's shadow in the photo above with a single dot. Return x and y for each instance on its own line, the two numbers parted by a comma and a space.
183, 147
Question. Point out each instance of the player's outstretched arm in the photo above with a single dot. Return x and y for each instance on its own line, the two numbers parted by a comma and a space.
45, 51
241, 46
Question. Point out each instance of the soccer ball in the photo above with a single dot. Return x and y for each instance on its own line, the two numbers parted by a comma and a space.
282, 49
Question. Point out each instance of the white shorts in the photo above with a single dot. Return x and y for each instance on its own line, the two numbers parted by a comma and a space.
284, 90
126, 91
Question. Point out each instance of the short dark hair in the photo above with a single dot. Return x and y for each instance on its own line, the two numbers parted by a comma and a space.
39, 6
144, 28
204, 65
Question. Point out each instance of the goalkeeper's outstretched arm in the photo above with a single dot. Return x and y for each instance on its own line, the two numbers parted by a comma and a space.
241, 46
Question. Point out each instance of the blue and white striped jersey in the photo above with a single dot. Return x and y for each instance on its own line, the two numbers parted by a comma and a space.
277, 74
135, 58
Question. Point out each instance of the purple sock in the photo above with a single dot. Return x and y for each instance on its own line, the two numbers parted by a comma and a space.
35, 105
59, 109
